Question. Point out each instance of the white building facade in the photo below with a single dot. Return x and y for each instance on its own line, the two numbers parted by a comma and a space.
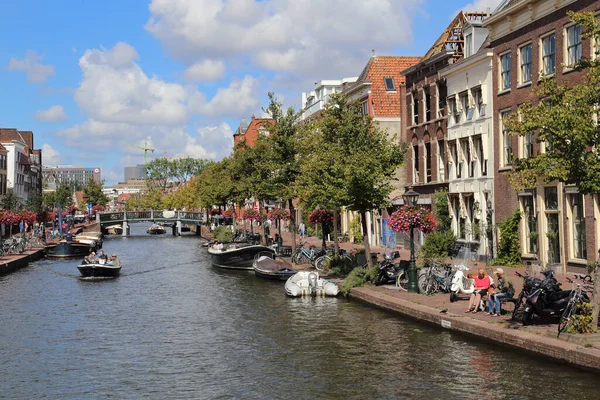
469, 147
315, 100
17, 175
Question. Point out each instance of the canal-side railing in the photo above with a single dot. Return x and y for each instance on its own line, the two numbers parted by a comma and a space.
139, 216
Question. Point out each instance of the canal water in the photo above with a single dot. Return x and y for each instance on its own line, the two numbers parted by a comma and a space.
173, 327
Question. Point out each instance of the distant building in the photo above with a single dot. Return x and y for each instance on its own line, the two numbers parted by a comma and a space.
250, 132
55, 176
314, 101
23, 163
3, 162
135, 172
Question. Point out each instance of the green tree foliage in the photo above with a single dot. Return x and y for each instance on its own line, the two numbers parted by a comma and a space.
356, 160
183, 169
438, 244
216, 186
158, 173
92, 193
10, 201
162, 171
509, 246
564, 121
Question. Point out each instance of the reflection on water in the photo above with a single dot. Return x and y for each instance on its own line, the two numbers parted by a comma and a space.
172, 326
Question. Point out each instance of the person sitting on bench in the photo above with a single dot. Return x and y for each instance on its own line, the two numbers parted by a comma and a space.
504, 289
482, 285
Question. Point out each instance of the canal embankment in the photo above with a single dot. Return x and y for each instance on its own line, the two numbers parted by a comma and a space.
582, 352
13, 262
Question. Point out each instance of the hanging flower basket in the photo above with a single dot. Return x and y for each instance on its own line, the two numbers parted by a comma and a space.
9, 218
406, 217
228, 213
251, 214
27, 216
215, 211
278, 213
320, 216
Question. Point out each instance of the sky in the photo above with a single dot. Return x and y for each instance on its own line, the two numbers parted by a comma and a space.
93, 78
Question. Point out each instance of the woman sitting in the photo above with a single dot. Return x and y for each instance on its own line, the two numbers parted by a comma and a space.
482, 285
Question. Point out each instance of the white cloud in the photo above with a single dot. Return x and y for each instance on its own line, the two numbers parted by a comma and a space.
50, 156
235, 101
325, 39
36, 71
207, 70
54, 113
482, 5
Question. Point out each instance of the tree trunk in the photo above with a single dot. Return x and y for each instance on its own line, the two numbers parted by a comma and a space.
264, 225
336, 242
292, 225
363, 221
596, 299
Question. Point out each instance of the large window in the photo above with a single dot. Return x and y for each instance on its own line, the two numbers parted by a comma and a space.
578, 226
528, 145
525, 56
416, 163
505, 66
549, 55
552, 224
478, 100
468, 45
428, 162
441, 160
464, 104
531, 235
573, 45
454, 114
427, 94
365, 107
415, 107
507, 153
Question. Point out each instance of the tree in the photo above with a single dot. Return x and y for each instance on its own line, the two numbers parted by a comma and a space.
284, 154
63, 196
564, 120
183, 169
92, 193
362, 160
10, 201
158, 172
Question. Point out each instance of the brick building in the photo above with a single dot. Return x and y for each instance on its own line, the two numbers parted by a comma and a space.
426, 121
379, 89
250, 132
532, 40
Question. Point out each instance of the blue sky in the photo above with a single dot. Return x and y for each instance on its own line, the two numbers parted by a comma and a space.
90, 77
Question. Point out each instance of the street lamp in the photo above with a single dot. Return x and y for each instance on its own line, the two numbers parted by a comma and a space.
410, 199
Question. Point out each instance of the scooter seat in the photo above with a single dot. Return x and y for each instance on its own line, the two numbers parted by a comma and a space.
555, 296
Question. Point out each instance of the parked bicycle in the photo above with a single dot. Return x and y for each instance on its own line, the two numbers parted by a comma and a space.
435, 278
14, 245
579, 295
304, 255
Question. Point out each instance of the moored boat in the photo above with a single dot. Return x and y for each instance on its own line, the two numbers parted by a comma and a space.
156, 230
99, 270
266, 266
308, 283
236, 256
64, 249
114, 229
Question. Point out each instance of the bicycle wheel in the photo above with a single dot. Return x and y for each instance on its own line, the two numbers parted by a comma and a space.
422, 281
296, 257
432, 286
322, 262
565, 318
515, 313
402, 281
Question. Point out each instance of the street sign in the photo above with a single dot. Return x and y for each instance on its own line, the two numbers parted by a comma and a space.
90, 209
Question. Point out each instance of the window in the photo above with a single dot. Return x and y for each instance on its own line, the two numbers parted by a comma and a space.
365, 107
454, 113
552, 225
573, 45
549, 55
578, 226
530, 221
389, 85
468, 45
465, 156
528, 145
478, 100
415, 163
441, 160
427, 104
525, 64
478, 148
415, 106
505, 71
464, 103
507, 154
441, 94
428, 162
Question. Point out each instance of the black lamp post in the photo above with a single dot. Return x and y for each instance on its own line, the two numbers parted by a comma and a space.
410, 199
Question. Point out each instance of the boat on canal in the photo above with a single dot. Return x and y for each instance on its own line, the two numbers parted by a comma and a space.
267, 266
114, 229
99, 270
308, 283
66, 249
156, 230
236, 256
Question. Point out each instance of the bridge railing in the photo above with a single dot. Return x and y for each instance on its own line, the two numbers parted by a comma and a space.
106, 217
112, 216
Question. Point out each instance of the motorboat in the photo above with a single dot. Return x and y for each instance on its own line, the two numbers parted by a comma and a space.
156, 229
267, 266
236, 256
65, 249
94, 239
308, 283
100, 269
114, 229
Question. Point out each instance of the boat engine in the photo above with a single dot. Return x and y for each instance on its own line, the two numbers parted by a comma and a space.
312, 283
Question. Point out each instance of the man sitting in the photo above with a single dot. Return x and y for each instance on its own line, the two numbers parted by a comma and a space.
503, 290
86, 260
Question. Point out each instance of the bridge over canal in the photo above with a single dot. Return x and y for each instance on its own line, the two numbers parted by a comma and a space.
176, 218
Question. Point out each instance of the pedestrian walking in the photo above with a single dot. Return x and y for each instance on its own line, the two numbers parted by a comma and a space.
302, 229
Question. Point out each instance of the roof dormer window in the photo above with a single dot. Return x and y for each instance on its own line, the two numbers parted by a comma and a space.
389, 85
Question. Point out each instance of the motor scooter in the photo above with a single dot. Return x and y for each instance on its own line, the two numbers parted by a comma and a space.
461, 284
388, 271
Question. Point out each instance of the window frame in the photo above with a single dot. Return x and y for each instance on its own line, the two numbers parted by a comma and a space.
387, 87
578, 246
544, 56
503, 72
506, 159
568, 46
522, 64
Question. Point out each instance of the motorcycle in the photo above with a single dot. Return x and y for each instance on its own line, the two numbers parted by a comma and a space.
546, 300
389, 272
